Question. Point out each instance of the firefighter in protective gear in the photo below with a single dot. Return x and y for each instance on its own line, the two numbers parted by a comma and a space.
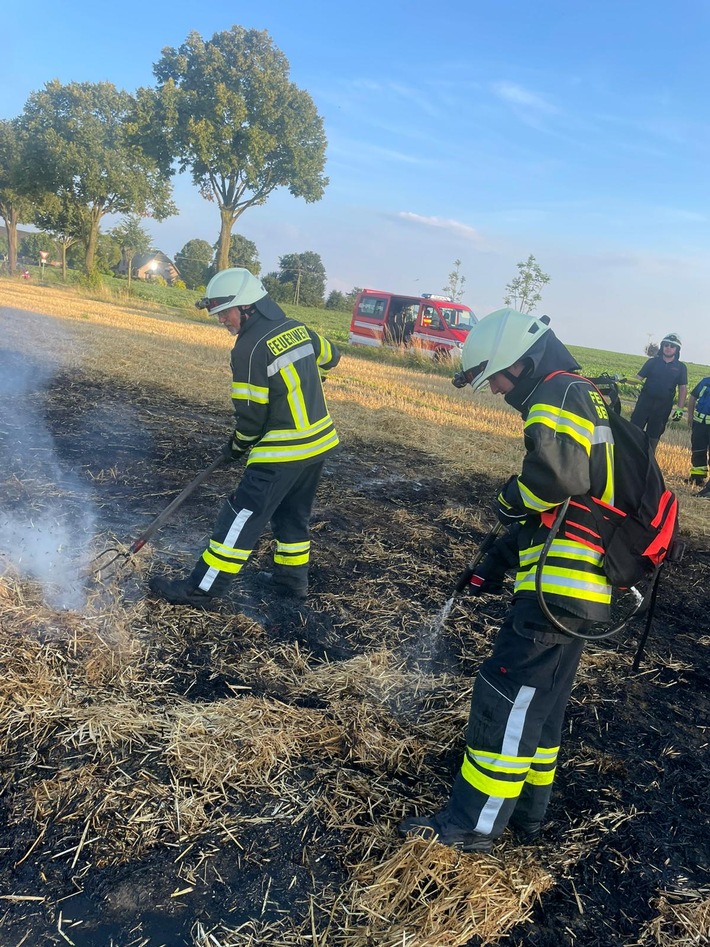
661, 375
699, 424
283, 425
521, 691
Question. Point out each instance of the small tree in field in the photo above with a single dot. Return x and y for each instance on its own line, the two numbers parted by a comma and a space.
60, 217
193, 261
337, 300
132, 239
523, 292
456, 282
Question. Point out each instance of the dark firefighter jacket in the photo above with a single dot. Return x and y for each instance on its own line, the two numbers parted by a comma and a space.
569, 453
278, 368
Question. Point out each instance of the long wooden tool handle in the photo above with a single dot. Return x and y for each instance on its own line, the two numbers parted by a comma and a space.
178, 501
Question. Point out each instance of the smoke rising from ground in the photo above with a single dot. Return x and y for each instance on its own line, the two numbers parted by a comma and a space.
47, 518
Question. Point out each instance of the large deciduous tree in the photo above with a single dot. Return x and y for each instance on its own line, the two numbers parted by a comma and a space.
14, 207
226, 110
82, 149
242, 252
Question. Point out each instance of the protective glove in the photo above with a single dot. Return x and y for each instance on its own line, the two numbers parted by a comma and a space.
233, 450
506, 512
479, 585
677, 415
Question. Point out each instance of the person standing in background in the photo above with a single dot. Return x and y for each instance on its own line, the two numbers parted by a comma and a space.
661, 375
699, 424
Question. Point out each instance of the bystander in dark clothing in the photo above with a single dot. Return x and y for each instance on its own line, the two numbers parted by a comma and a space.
662, 375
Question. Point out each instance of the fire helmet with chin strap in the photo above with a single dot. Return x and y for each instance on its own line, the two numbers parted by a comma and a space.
672, 338
495, 343
235, 286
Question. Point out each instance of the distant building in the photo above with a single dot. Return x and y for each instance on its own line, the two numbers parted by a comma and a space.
148, 266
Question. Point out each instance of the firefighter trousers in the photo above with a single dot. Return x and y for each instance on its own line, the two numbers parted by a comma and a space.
700, 451
281, 494
651, 415
515, 723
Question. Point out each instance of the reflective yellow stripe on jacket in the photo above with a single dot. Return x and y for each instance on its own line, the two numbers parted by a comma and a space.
570, 450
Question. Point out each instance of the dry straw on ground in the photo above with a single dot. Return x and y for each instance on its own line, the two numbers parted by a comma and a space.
475, 433
426, 895
679, 923
74, 690
114, 760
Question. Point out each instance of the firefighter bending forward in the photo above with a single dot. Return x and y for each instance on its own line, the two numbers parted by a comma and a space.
282, 420
521, 691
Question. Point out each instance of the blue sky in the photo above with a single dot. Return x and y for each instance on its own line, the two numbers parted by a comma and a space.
480, 131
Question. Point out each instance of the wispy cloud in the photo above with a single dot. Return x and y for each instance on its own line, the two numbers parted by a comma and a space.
369, 99
642, 262
454, 227
370, 154
522, 98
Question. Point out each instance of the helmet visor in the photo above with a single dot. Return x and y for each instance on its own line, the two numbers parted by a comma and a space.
469, 376
218, 302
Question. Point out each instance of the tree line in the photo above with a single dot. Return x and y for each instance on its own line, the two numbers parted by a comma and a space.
300, 277
222, 109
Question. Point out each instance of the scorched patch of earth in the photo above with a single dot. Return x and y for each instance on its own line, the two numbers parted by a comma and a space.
170, 776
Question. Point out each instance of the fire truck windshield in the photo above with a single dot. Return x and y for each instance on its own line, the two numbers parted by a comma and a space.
459, 318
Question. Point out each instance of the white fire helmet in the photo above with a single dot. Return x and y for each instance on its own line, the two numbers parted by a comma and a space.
233, 287
498, 341
673, 339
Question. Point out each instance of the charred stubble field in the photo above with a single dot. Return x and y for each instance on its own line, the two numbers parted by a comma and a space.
171, 777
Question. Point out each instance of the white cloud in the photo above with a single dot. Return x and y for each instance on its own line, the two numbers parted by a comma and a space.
377, 152
518, 96
454, 227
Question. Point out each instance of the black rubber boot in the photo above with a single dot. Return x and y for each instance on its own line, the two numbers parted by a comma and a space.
704, 493
525, 832
442, 828
181, 592
271, 584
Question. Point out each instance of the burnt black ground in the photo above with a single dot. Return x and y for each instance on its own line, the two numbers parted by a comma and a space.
635, 743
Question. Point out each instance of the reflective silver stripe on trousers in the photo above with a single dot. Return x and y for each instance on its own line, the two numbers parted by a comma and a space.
510, 747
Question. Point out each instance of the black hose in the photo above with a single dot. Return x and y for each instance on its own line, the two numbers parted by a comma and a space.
649, 622
543, 604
